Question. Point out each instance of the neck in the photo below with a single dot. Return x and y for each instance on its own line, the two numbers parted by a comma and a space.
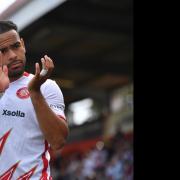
12, 79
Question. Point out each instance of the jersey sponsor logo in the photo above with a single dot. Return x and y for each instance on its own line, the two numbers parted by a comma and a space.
56, 106
23, 93
13, 113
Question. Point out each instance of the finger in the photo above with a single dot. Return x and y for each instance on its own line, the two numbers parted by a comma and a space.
50, 62
1, 59
44, 70
37, 72
47, 62
5, 70
43, 63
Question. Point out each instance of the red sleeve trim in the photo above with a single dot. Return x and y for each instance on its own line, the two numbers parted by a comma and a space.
62, 117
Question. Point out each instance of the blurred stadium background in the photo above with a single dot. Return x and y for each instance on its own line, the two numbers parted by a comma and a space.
91, 42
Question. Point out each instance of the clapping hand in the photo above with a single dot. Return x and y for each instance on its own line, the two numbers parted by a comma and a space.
4, 79
41, 75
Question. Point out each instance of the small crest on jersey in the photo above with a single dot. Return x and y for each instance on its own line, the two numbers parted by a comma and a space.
23, 93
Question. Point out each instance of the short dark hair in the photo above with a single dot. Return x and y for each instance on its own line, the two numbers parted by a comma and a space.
6, 26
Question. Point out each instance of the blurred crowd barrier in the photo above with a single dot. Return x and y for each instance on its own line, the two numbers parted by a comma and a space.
111, 159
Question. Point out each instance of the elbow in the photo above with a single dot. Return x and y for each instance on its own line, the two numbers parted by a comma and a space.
58, 145
59, 142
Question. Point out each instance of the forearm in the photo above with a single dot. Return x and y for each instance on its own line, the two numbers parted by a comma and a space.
54, 128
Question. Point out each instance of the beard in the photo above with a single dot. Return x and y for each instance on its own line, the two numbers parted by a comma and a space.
16, 72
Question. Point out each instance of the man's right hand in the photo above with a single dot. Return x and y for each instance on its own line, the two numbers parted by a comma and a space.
4, 79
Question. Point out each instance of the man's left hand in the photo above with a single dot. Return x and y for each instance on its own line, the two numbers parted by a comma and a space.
40, 78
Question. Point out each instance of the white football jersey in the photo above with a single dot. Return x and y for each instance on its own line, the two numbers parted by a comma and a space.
23, 150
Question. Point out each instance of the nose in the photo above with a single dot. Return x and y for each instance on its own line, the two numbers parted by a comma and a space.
11, 55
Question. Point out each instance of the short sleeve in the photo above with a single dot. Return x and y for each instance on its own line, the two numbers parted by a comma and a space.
54, 97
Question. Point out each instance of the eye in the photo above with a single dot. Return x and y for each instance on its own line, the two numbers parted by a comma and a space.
4, 50
16, 45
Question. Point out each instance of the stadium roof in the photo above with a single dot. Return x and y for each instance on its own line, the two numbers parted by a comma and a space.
91, 42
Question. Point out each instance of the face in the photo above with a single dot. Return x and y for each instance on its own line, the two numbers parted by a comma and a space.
13, 53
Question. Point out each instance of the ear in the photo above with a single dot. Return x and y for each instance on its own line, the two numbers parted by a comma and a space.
22, 43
